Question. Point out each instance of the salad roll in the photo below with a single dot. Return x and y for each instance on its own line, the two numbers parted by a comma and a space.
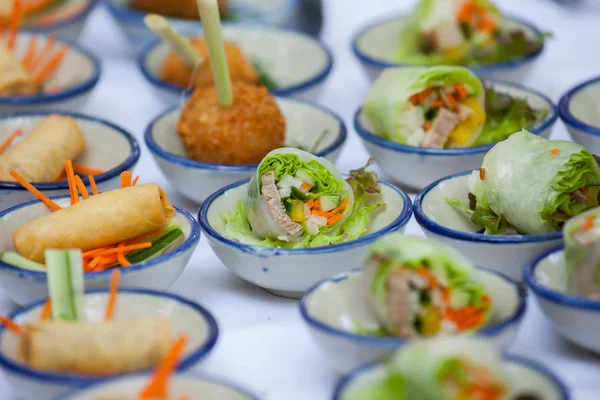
96, 348
433, 107
14, 79
40, 156
420, 287
112, 217
531, 185
582, 254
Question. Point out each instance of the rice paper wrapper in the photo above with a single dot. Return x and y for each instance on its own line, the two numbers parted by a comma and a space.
582, 254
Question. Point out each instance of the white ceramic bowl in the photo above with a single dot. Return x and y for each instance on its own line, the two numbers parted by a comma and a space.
333, 306
525, 377
290, 272
24, 286
264, 12
78, 74
185, 316
507, 254
66, 20
108, 147
578, 109
375, 45
186, 384
305, 122
577, 319
297, 62
416, 167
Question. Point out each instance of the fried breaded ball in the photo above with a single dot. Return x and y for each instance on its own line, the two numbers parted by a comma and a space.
178, 72
241, 134
184, 9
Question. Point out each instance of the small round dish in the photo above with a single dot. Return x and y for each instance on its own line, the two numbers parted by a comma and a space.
108, 147
66, 19
264, 12
299, 63
375, 44
180, 385
290, 272
305, 124
506, 254
333, 306
185, 317
77, 75
24, 286
574, 317
525, 376
578, 109
414, 168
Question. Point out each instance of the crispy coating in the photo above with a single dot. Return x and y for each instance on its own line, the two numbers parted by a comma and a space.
177, 72
241, 134
184, 9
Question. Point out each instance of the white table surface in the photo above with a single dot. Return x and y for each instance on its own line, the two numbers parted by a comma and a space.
264, 344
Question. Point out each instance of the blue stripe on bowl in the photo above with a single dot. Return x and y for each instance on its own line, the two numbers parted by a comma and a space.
129, 162
156, 150
189, 243
260, 251
80, 380
290, 90
63, 23
370, 136
394, 342
555, 296
67, 93
564, 108
478, 69
427, 223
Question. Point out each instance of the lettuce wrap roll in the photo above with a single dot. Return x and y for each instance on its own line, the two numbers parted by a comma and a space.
531, 185
427, 107
420, 287
582, 254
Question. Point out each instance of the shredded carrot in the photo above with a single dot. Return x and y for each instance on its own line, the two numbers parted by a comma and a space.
81, 187
425, 274
93, 185
46, 311
49, 203
125, 179
333, 219
87, 170
71, 181
306, 186
51, 65
341, 207
450, 100
15, 21
121, 256
588, 223
30, 53
465, 318
466, 13
45, 52
309, 203
487, 24
460, 91
555, 152
112, 298
438, 104
482, 174
6, 142
114, 250
157, 387
427, 125
135, 181
414, 99
10, 324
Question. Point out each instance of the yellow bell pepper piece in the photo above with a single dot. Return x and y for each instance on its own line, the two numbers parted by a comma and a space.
459, 137
432, 321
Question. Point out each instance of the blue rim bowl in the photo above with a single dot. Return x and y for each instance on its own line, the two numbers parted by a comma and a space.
81, 380
366, 59
260, 251
564, 109
427, 223
291, 90
190, 242
156, 150
63, 22
48, 99
370, 136
393, 342
129, 162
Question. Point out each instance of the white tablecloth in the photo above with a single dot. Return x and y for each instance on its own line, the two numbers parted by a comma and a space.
264, 344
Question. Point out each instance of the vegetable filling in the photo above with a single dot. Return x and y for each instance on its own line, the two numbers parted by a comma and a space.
463, 380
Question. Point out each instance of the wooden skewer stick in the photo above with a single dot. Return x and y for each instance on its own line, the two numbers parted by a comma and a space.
181, 45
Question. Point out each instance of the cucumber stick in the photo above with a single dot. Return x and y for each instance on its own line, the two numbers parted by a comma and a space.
158, 245
65, 284
17, 260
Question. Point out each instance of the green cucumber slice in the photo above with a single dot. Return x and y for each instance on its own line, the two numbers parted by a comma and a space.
328, 203
17, 260
65, 284
305, 177
158, 246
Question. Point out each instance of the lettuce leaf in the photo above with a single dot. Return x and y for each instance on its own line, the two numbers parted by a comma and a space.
391, 387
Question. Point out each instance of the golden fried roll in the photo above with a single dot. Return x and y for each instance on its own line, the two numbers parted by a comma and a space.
14, 80
99, 221
242, 134
40, 156
184, 9
96, 348
176, 71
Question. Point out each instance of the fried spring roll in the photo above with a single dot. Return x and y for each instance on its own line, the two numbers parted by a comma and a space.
40, 156
96, 348
99, 221
14, 79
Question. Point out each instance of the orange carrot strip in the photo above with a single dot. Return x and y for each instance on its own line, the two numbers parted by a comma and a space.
30, 53
487, 24
15, 21
45, 52
588, 223
112, 298
482, 174
71, 181
10, 324
438, 104
555, 152
333, 219
49, 203
157, 387
341, 207
81, 187
87, 170
465, 14
135, 181
6, 142
124, 249
46, 311
93, 185
125, 179
427, 125
121, 256
95, 252
309, 203
450, 100
460, 91
51, 65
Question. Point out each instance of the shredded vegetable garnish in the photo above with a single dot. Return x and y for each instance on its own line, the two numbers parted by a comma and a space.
6, 142
51, 66
46, 311
588, 223
112, 297
81, 187
555, 152
482, 174
71, 181
86, 170
125, 179
93, 185
157, 387
135, 181
49, 203
10, 324
15, 22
